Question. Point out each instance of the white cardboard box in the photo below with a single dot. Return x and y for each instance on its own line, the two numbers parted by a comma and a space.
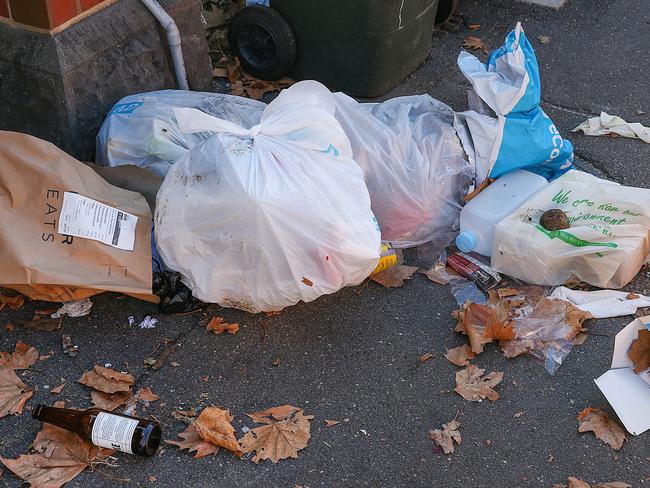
627, 392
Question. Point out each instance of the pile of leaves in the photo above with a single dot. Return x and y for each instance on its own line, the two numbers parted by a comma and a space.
285, 431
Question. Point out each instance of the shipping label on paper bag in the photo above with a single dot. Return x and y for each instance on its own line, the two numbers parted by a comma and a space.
90, 219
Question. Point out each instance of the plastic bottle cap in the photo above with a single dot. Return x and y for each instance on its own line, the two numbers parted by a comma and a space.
466, 241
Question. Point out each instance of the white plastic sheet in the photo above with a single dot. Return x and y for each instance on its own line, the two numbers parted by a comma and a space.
260, 218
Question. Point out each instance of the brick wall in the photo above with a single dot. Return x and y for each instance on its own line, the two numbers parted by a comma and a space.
46, 14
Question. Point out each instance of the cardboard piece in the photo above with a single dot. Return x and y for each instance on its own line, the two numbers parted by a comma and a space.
35, 175
627, 392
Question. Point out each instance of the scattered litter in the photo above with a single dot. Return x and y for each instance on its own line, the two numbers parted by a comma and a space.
218, 325
607, 124
626, 386
148, 323
474, 270
522, 136
131, 320
74, 309
331, 423
605, 246
602, 303
68, 346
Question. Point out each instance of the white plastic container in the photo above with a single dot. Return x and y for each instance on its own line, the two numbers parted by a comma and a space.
480, 215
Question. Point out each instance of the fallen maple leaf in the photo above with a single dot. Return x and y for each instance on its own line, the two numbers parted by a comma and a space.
57, 457
107, 380
474, 43
395, 276
218, 325
639, 351
331, 423
13, 393
286, 433
578, 483
184, 415
109, 401
446, 437
472, 385
10, 299
146, 395
213, 425
484, 324
460, 355
605, 429
24, 356
192, 441
425, 357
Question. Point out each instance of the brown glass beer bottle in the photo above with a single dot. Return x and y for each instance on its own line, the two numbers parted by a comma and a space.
105, 429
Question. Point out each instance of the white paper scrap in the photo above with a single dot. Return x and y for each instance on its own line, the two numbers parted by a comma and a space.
87, 218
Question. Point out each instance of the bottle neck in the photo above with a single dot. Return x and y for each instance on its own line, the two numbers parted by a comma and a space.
72, 420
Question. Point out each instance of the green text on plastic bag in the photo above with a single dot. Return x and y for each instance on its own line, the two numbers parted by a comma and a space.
571, 239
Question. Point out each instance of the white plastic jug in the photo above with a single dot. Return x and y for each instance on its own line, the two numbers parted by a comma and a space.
480, 215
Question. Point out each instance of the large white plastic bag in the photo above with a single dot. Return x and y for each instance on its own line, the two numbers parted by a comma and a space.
142, 130
259, 219
413, 164
522, 136
606, 244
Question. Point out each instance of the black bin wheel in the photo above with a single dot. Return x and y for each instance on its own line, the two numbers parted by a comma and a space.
446, 9
263, 41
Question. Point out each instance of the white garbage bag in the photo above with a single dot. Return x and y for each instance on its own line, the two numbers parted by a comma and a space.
606, 244
413, 163
260, 218
142, 130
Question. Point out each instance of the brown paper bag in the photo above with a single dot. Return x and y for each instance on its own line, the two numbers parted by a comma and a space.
34, 175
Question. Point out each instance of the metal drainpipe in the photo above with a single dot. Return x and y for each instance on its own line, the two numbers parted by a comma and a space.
173, 40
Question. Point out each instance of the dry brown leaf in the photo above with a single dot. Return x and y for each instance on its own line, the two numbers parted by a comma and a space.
57, 389
56, 457
13, 393
612, 484
446, 437
437, 274
474, 26
395, 276
107, 380
474, 43
109, 401
10, 299
9, 327
213, 425
578, 483
640, 351
191, 440
460, 355
22, 358
544, 39
279, 439
425, 357
507, 292
218, 325
184, 415
632, 296
472, 385
220, 73
146, 395
605, 429
484, 324
276, 362
331, 423
244, 85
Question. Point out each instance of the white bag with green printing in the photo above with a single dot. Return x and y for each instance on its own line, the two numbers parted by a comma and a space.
606, 244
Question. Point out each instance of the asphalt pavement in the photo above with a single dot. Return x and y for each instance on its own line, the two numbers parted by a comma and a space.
353, 356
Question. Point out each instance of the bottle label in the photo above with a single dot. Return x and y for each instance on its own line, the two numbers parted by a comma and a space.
113, 432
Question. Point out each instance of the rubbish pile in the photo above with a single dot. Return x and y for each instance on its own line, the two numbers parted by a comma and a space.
258, 207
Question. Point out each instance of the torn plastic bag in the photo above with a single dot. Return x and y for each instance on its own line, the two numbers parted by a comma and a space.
413, 163
39, 261
261, 218
522, 135
606, 244
142, 130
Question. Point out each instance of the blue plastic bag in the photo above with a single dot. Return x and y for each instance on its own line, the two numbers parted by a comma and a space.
522, 135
